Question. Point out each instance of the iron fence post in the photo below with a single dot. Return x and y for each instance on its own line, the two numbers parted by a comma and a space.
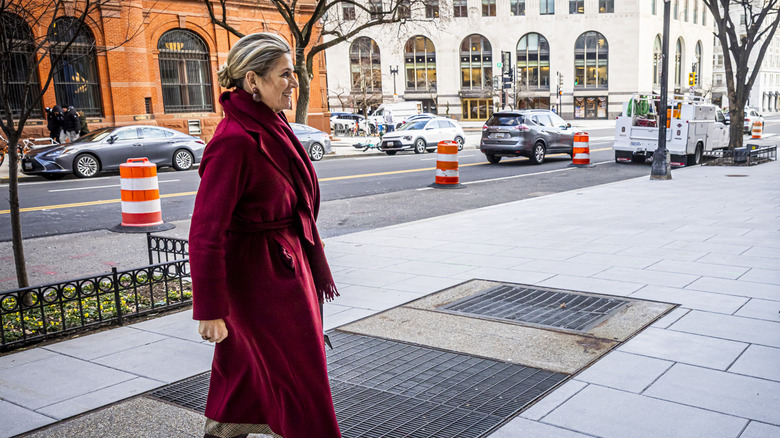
117, 298
149, 247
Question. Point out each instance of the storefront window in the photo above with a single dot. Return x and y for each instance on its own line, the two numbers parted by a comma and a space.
590, 107
477, 109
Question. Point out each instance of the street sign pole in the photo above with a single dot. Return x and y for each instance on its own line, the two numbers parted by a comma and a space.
661, 169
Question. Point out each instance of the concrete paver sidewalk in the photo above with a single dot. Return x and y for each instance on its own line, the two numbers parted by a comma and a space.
708, 240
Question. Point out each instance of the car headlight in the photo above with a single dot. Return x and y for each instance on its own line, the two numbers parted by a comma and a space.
408, 137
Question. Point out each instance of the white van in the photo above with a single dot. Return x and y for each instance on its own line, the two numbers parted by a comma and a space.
693, 127
400, 110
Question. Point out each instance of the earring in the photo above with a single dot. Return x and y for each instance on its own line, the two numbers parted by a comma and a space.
255, 94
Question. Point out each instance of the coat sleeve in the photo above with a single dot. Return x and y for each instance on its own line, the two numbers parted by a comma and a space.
223, 178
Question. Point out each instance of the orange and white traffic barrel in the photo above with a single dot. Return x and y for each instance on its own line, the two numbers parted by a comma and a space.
581, 150
141, 209
447, 175
758, 129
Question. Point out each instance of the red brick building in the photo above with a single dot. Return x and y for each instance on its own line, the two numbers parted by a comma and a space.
166, 73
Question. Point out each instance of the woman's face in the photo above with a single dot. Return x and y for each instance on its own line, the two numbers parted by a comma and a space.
277, 86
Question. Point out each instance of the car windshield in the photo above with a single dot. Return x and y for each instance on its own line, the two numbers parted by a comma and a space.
419, 124
505, 120
95, 136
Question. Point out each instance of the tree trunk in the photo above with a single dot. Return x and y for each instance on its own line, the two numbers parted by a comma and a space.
302, 104
16, 222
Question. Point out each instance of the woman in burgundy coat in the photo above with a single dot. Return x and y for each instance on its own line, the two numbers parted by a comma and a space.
259, 270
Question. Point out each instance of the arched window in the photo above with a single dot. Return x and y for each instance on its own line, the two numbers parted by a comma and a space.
533, 62
476, 62
420, 64
678, 64
185, 72
591, 61
365, 66
21, 50
76, 80
657, 59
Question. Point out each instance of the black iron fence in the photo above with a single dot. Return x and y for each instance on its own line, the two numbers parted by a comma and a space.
36, 313
748, 155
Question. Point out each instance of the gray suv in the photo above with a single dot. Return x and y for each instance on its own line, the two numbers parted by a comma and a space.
528, 133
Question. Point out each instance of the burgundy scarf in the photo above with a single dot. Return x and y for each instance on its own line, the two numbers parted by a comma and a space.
273, 131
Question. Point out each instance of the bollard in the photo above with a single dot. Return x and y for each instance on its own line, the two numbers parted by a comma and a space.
141, 209
758, 129
581, 150
447, 176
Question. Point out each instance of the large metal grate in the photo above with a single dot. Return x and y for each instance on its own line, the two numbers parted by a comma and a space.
385, 388
564, 310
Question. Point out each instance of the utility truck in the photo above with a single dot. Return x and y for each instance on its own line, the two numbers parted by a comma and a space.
400, 110
694, 126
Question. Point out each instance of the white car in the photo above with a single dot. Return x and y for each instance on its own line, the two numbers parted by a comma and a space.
422, 135
751, 116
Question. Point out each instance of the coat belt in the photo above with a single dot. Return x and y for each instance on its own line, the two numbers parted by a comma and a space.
242, 226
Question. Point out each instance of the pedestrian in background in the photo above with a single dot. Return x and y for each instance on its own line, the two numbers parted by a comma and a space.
54, 122
258, 266
70, 126
84, 129
389, 121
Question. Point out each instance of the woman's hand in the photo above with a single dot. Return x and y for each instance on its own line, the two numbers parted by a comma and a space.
213, 330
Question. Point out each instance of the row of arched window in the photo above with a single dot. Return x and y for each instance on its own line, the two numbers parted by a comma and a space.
185, 71
591, 59
679, 57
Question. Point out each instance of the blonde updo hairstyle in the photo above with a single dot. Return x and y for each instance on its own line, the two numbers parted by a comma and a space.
257, 52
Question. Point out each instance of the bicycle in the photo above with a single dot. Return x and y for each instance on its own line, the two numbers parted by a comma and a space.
24, 147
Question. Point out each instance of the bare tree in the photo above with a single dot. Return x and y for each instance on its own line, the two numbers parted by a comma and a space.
23, 56
748, 38
312, 22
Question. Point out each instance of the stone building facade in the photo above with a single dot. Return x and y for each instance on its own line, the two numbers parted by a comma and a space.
166, 73
595, 52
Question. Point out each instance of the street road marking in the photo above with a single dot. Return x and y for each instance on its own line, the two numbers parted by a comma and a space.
86, 204
101, 187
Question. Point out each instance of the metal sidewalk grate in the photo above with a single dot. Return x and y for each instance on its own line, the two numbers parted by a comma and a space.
388, 389
564, 310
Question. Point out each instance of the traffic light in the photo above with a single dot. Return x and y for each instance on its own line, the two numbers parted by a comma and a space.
692, 78
560, 80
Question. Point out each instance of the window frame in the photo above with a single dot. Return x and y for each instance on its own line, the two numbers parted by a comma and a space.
460, 8
421, 63
546, 7
576, 7
484, 64
179, 64
536, 57
488, 8
372, 54
600, 57
80, 59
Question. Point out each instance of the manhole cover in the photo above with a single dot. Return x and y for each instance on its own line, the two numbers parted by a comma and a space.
388, 389
563, 310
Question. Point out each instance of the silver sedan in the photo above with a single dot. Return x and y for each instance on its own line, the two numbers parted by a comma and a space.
316, 142
106, 148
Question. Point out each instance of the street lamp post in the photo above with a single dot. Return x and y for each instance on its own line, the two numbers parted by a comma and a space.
661, 168
394, 72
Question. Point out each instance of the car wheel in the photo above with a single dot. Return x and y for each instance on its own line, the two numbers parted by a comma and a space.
695, 158
86, 166
52, 176
316, 151
419, 146
493, 159
390, 152
182, 160
537, 157
459, 141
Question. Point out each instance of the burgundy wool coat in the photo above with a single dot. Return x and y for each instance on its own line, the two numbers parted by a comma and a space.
250, 246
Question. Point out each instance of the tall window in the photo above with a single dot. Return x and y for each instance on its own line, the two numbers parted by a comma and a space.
349, 11
185, 72
685, 10
488, 8
75, 79
695, 11
697, 63
606, 6
676, 9
476, 62
365, 66
17, 65
533, 62
375, 8
704, 11
461, 8
517, 7
678, 65
420, 64
590, 61
404, 9
431, 8
653, 7
576, 6
657, 59
546, 7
